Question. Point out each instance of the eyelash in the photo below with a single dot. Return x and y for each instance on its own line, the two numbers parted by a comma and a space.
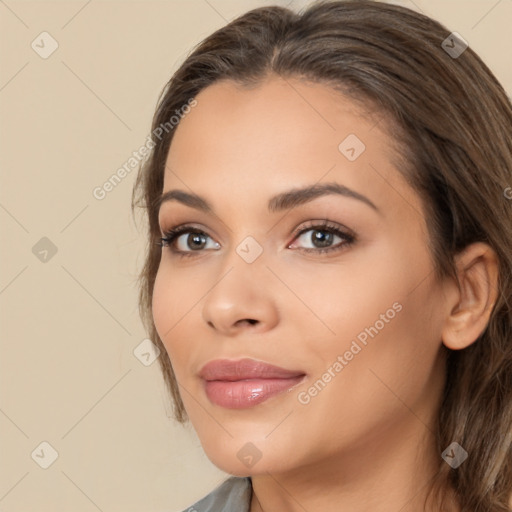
172, 234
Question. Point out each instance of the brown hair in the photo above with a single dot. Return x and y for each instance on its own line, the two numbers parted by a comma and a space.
455, 125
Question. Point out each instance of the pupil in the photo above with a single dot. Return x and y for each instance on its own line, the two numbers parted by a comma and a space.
321, 237
198, 240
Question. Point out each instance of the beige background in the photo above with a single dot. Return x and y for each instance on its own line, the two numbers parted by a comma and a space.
69, 325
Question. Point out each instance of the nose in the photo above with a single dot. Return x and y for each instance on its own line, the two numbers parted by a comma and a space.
241, 299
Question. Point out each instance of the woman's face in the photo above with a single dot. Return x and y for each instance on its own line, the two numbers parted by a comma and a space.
357, 324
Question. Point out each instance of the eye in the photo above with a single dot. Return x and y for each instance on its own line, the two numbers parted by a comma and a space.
322, 237
185, 240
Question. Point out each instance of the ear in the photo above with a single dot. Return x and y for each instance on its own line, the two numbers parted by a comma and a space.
477, 270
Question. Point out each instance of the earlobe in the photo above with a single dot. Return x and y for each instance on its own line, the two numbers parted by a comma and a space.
468, 315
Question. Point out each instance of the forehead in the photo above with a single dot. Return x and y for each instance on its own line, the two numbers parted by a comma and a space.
260, 140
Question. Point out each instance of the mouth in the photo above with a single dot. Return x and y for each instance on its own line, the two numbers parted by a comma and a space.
246, 383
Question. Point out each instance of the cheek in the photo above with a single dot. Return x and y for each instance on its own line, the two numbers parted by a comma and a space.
333, 303
174, 295
385, 314
383, 378
166, 308
176, 309
396, 365
161, 304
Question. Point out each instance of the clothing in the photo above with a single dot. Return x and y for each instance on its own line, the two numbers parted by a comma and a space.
233, 495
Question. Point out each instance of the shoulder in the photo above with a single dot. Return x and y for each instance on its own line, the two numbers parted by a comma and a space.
233, 495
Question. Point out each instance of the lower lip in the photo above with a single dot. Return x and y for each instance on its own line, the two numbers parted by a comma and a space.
242, 394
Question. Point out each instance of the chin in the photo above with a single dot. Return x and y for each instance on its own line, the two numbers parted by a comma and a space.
247, 458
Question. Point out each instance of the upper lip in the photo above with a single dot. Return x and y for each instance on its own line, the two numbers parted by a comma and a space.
242, 369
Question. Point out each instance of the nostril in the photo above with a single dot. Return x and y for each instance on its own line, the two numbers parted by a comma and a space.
249, 320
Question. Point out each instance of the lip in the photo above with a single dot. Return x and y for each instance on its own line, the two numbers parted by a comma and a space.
244, 383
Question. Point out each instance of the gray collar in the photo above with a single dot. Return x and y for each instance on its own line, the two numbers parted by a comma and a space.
233, 495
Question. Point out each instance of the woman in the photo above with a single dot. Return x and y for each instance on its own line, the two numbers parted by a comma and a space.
329, 261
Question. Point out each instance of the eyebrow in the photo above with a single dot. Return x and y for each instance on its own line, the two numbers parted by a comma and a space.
282, 201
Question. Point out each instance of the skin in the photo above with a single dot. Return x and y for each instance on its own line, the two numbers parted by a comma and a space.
365, 441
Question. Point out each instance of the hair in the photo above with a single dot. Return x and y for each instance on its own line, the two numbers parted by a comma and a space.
452, 125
